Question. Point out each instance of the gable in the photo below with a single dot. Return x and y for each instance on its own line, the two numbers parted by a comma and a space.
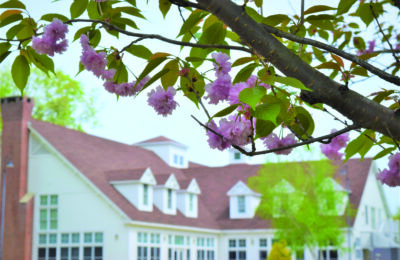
240, 189
148, 177
193, 187
172, 183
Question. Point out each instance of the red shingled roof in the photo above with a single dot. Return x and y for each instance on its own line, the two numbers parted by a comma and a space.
102, 161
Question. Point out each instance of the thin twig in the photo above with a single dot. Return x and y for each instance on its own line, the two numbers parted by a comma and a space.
183, 3
253, 144
374, 70
132, 43
309, 141
391, 136
184, 20
384, 35
109, 26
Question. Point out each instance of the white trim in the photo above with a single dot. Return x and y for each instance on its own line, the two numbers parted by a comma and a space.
171, 142
172, 227
76, 171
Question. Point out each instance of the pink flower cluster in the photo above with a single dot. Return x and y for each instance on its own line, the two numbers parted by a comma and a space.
235, 131
125, 89
219, 89
53, 39
93, 61
331, 150
391, 177
272, 141
162, 101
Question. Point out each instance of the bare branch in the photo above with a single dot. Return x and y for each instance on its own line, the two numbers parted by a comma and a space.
384, 35
380, 73
159, 37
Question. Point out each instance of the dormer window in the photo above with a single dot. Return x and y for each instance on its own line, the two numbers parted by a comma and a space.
191, 198
175, 159
145, 194
241, 204
169, 198
181, 160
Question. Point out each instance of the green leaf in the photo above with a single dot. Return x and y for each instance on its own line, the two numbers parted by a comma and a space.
139, 51
78, 7
121, 73
214, 34
382, 95
384, 152
20, 71
323, 24
245, 73
318, 8
318, 54
359, 43
50, 17
12, 32
338, 60
306, 121
361, 145
4, 55
164, 6
28, 29
274, 20
243, 60
270, 109
42, 61
150, 67
194, 59
153, 79
344, 6
93, 11
360, 71
193, 19
364, 11
10, 19
291, 82
125, 21
13, 4
169, 79
226, 111
81, 31
4, 46
367, 56
254, 14
329, 65
264, 128
252, 96
129, 10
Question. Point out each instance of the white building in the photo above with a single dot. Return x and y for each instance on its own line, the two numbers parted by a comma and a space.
73, 196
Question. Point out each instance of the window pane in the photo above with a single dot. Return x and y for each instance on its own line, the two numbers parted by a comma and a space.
88, 238
263, 242
232, 243
65, 238
42, 239
42, 252
98, 251
87, 253
241, 204
53, 224
43, 200
145, 194
179, 240
64, 253
75, 238
98, 238
144, 237
232, 255
263, 255
52, 252
53, 239
242, 255
53, 200
169, 198
242, 242
75, 253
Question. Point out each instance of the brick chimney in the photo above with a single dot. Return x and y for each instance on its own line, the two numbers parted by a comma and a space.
17, 226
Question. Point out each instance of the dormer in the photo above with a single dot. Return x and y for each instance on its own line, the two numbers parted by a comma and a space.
165, 197
170, 151
243, 202
333, 197
188, 199
139, 191
236, 157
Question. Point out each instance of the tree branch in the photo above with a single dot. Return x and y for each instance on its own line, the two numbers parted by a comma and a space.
380, 73
384, 35
308, 141
159, 37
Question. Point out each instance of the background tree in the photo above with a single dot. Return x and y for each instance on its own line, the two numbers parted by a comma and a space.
58, 98
303, 203
279, 251
289, 64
